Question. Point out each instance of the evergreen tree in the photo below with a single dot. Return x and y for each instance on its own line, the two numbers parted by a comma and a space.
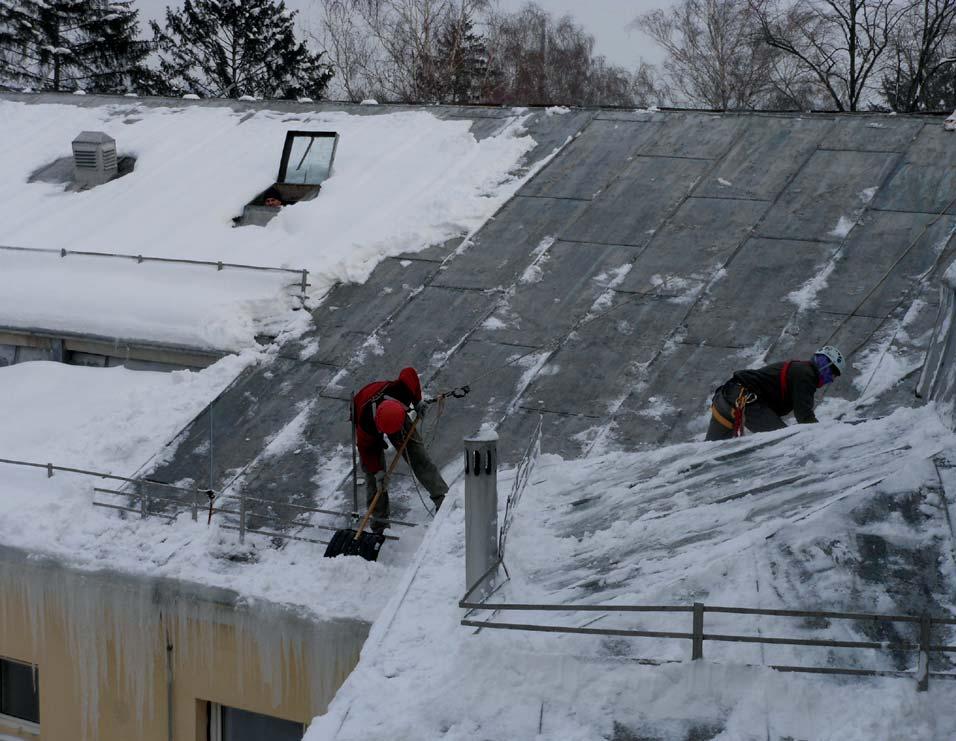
228, 49
71, 44
463, 61
936, 92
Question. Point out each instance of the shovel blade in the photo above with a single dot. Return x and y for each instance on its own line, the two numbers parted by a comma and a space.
343, 543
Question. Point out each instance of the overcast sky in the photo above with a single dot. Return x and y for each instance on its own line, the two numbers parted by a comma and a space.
607, 20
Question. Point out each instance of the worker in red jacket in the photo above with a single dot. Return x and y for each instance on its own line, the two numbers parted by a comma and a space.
758, 398
380, 411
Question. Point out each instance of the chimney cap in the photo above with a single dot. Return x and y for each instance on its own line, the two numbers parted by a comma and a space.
94, 137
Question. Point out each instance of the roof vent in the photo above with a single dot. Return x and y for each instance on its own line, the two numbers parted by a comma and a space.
94, 158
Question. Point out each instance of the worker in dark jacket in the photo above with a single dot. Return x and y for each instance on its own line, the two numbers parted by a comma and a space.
380, 411
758, 398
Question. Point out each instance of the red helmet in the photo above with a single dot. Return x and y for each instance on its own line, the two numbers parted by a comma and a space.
390, 417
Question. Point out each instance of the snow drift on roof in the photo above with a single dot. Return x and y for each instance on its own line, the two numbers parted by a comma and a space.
401, 182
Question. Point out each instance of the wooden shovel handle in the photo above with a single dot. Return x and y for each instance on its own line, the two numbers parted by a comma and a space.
378, 494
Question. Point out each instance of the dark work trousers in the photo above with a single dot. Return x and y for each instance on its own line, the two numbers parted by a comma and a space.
758, 417
416, 455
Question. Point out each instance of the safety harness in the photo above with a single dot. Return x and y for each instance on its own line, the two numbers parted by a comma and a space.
745, 397
739, 410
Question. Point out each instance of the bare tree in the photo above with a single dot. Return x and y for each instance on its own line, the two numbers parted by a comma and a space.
920, 54
840, 42
349, 47
536, 59
400, 50
648, 88
715, 55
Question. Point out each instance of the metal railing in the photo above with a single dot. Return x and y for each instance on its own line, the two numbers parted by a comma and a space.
697, 636
139, 499
239, 503
303, 282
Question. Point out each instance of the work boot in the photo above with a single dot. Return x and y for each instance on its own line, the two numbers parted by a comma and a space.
437, 502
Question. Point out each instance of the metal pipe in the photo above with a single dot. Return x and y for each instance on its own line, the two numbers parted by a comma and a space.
353, 422
242, 518
277, 535
333, 512
98, 474
575, 608
697, 651
170, 715
481, 511
922, 671
209, 411
831, 615
143, 258
581, 631
824, 643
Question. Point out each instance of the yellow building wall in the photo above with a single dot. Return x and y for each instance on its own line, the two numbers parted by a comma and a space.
104, 666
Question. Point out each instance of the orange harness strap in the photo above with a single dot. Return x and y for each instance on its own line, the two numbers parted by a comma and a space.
720, 417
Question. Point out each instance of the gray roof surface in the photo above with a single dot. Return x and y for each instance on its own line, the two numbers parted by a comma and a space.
693, 227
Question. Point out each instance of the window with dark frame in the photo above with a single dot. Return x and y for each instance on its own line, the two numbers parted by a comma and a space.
19, 691
307, 157
233, 724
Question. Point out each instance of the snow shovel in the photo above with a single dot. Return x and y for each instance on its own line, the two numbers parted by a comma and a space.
349, 542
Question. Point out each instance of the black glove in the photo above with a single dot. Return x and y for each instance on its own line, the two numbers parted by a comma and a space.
420, 409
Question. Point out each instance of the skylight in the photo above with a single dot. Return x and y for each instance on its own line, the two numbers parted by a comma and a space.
307, 157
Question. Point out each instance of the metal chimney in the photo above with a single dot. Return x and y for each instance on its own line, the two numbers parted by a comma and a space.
481, 510
94, 158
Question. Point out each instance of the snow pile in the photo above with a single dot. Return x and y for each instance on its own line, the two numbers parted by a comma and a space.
771, 521
401, 182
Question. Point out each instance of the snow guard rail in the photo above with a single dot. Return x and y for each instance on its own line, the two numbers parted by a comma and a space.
697, 636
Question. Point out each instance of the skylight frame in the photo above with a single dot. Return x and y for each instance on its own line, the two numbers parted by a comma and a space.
290, 138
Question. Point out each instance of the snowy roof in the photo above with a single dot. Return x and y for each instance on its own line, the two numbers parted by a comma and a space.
651, 256
861, 530
403, 180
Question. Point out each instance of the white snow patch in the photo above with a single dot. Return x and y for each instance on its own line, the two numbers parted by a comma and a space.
534, 272
493, 323
657, 408
556, 110
486, 433
805, 297
309, 349
725, 183
843, 227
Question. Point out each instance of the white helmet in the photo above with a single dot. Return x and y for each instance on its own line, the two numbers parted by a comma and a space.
834, 356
